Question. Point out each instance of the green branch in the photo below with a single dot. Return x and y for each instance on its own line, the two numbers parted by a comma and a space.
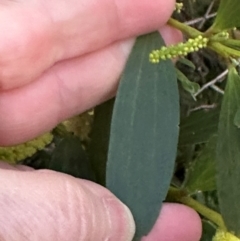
181, 196
223, 50
189, 31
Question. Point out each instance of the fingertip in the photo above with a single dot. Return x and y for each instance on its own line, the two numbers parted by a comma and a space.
51, 204
130, 223
176, 222
118, 214
146, 16
122, 226
16, 167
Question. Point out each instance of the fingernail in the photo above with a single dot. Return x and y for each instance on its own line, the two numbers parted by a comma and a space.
121, 219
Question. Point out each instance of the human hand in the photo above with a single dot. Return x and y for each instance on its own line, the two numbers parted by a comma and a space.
59, 58
48, 206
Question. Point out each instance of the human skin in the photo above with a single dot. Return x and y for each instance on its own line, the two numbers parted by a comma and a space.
60, 58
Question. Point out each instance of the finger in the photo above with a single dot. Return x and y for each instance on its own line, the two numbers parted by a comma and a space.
107, 21
46, 205
67, 89
6, 166
176, 222
37, 34
70, 87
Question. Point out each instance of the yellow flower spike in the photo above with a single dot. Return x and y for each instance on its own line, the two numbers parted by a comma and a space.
17, 153
191, 49
222, 235
181, 49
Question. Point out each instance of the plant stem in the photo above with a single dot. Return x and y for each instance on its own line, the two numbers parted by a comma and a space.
217, 46
182, 197
223, 50
191, 32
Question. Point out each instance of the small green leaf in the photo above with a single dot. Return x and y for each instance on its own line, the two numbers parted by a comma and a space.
199, 127
187, 62
208, 231
227, 16
98, 147
187, 85
69, 157
144, 134
201, 175
237, 118
228, 155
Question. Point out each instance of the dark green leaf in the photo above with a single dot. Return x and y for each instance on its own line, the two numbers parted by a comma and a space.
201, 175
187, 85
228, 155
187, 62
70, 158
228, 15
99, 136
144, 133
237, 118
208, 231
38, 161
199, 127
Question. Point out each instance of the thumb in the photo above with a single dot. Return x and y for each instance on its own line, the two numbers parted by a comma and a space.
46, 205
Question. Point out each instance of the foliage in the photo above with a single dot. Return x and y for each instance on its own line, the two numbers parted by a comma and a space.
227, 16
201, 173
130, 144
228, 154
144, 134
